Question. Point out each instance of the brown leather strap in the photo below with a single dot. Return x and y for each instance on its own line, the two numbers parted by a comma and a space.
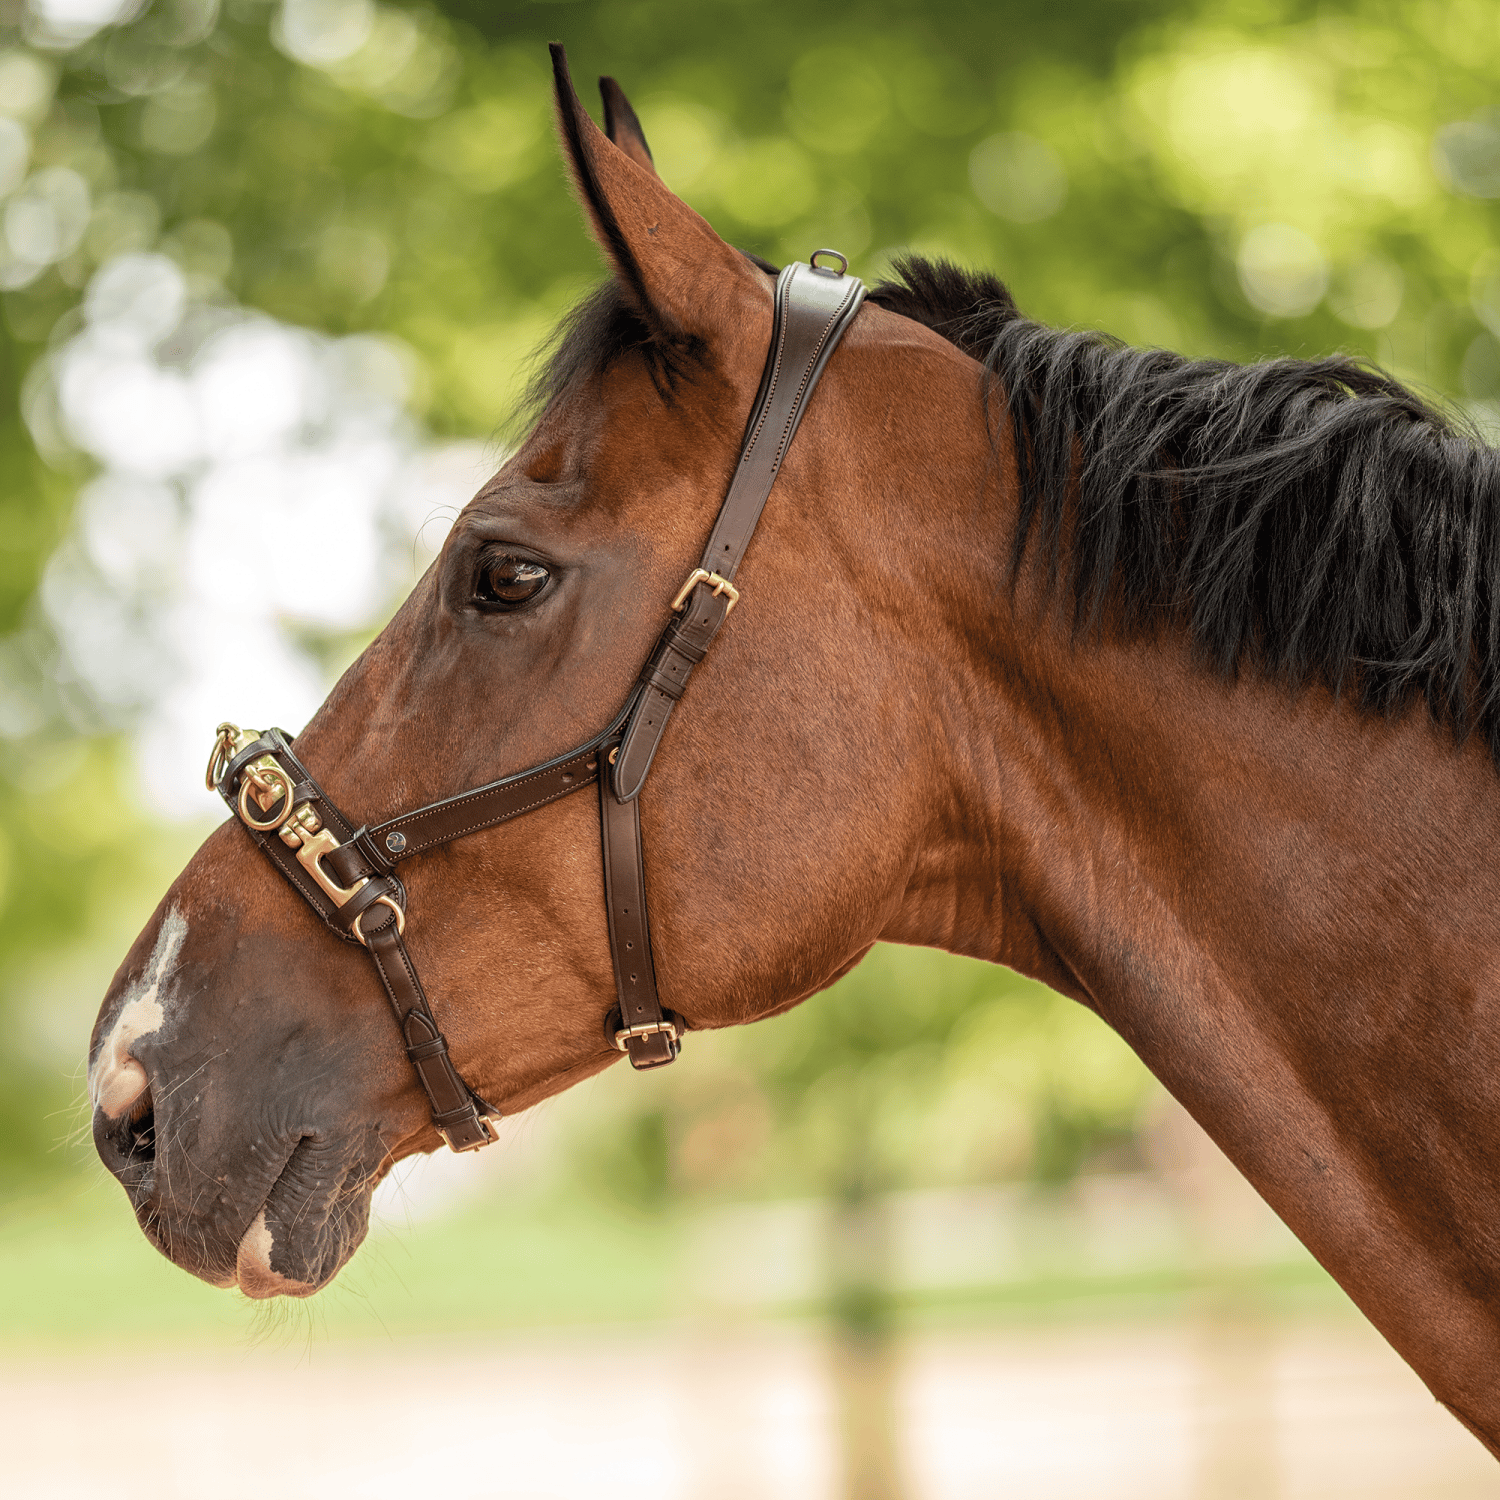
457, 1111
813, 310
645, 1031
374, 851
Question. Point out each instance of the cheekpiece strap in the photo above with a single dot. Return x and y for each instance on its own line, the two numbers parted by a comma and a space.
814, 308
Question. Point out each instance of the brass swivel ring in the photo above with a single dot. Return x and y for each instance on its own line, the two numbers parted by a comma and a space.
379, 901
266, 781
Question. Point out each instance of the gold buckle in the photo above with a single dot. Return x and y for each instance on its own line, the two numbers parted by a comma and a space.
702, 575
646, 1028
486, 1126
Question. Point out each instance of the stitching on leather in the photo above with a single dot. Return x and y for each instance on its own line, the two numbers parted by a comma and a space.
485, 791
781, 447
812, 365
504, 817
783, 299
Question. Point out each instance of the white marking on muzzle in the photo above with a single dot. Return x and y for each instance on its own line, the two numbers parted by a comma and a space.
116, 1079
253, 1266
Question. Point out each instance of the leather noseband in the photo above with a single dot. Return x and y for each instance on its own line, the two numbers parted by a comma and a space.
347, 874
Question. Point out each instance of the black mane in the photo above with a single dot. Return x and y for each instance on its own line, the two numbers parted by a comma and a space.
1312, 519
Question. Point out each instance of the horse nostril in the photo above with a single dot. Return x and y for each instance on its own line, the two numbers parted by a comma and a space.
140, 1130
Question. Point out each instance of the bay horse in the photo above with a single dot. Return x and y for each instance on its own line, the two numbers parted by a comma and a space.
1173, 684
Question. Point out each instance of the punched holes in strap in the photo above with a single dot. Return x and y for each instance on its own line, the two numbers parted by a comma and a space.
651, 1038
683, 645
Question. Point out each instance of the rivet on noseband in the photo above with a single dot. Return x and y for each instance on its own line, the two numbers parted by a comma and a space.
395, 842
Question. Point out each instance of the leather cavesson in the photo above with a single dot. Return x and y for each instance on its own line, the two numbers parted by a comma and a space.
347, 874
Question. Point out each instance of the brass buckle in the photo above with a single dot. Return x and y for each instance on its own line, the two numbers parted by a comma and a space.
702, 575
646, 1028
486, 1125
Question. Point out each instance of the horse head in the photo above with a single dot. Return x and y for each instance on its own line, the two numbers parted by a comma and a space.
248, 1088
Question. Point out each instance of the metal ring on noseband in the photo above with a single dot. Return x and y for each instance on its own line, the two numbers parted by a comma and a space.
379, 901
257, 780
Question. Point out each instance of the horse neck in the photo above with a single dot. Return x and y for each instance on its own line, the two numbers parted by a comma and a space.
1289, 908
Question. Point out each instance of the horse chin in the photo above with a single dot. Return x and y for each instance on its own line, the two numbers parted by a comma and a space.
312, 1221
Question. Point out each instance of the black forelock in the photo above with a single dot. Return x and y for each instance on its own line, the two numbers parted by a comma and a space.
599, 330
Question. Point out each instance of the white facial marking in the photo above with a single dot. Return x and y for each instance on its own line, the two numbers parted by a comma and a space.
253, 1266
116, 1079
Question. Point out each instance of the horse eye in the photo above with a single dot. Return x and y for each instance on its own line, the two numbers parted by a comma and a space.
508, 582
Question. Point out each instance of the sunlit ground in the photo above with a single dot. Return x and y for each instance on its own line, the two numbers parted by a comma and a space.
1109, 1340
1158, 1406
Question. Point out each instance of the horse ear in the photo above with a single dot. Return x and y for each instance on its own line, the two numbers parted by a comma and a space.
681, 277
623, 126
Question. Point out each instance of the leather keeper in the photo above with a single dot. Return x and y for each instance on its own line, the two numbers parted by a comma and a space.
380, 887
229, 781
683, 644
359, 859
664, 682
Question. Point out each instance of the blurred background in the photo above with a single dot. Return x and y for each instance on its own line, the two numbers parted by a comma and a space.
936, 1234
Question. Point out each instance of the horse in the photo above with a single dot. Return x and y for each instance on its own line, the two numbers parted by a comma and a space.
1172, 683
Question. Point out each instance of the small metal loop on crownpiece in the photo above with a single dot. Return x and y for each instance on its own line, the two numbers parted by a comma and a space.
379, 901
842, 259
702, 575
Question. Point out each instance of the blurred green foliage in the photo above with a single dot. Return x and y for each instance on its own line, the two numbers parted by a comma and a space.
917, 1070
1235, 177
